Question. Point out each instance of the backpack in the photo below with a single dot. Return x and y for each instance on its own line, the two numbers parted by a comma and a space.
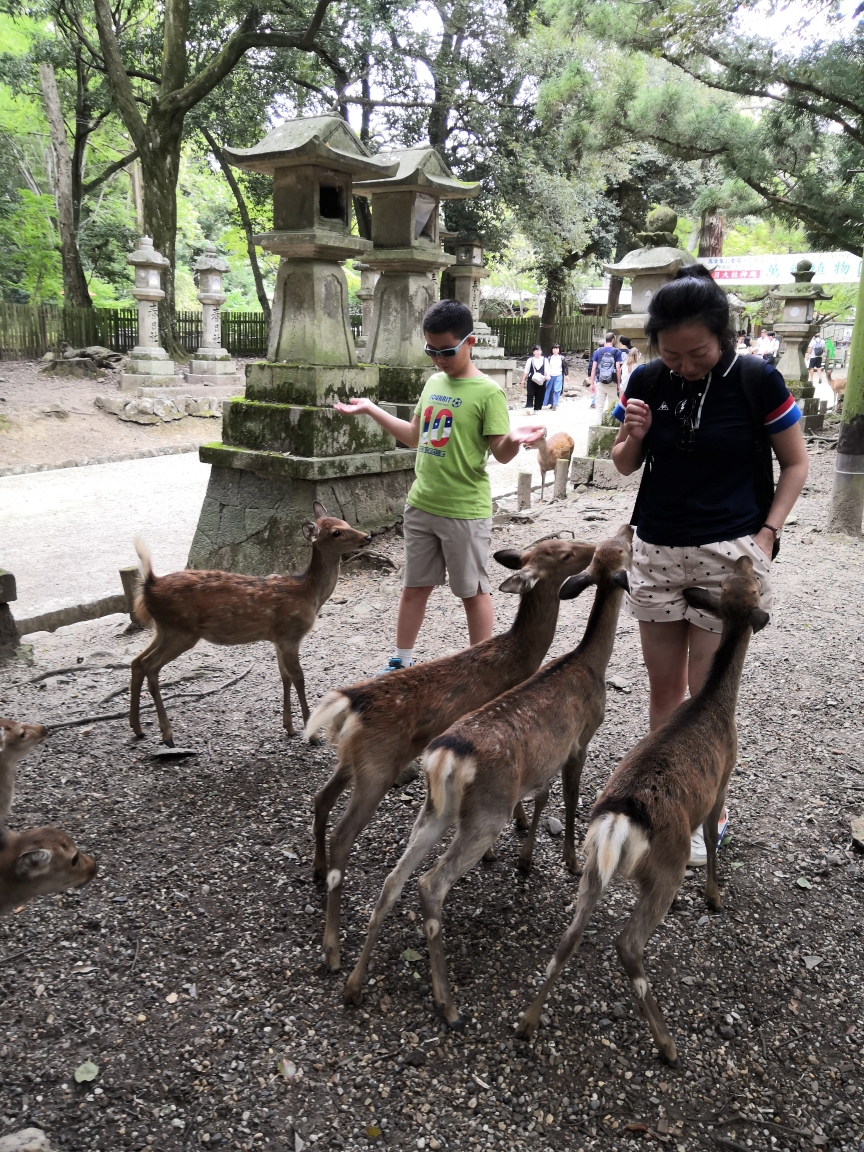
606, 366
752, 370
818, 347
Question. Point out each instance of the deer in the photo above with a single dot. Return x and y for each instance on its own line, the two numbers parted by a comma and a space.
16, 740
381, 725
670, 783
558, 446
37, 860
228, 608
487, 762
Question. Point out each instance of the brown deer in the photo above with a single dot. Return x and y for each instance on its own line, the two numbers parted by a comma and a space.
670, 784
16, 740
515, 746
37, 860
558, 446
227, 608
382, 724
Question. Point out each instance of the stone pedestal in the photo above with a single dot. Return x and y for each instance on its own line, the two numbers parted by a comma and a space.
466, 277
211, 364
148, 364
283, 444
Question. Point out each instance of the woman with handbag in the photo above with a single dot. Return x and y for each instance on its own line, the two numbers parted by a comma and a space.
534, 378
705, 423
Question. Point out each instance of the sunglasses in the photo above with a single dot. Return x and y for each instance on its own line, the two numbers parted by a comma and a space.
685, 435
446, 353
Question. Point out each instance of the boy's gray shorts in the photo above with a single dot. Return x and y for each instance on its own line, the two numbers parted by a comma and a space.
440, 546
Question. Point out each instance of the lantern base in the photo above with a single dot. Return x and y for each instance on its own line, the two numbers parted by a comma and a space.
300, 431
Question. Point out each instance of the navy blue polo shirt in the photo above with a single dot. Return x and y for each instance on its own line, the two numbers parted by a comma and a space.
709, 494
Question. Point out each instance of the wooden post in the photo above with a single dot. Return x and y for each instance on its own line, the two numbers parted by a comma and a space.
523, 492
562, 467
8, 628
129, 578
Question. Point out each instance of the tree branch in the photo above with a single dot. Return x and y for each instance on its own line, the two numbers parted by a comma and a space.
123, 90
115, 166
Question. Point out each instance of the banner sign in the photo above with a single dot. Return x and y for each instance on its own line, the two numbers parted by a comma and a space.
829, 268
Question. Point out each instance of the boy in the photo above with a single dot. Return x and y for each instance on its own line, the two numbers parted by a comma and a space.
460, 417
605, 378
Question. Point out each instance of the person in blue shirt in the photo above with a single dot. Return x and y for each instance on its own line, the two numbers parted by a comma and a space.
701, 505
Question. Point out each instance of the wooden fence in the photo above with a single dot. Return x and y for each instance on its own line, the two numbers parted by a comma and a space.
519, 334
29, 331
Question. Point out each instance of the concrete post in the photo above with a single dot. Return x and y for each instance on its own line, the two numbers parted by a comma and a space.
523, 492
847, 497
562, 467
129, 578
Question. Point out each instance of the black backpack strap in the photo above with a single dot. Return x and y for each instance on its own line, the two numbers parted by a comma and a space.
752, 374
651, 373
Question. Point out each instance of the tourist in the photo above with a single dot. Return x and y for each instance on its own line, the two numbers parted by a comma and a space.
460, 418
743, 346
707, 494
605, 375
764, 344
629, 359
534, 378
815, 352
555, 379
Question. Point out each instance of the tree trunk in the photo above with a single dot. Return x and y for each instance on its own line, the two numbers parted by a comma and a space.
549, 317
137, 187
712, 233
228, 173
160, 169
75, 290
616, 283
847, 497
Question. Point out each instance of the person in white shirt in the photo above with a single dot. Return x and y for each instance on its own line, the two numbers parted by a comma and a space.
534, 378
555, 377
764, 344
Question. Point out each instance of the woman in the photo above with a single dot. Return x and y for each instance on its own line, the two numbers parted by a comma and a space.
701, 505
534, 378
555, 377
629, 361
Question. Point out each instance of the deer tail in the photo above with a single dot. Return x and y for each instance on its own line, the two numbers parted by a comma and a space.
332, 714
448, 774
614, 841
142, 612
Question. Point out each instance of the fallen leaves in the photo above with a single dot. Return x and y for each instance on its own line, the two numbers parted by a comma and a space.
86, 1072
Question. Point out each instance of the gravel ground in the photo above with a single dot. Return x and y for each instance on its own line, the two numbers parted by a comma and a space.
189, 971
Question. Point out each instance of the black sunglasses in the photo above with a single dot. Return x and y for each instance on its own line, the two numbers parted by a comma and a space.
685, 435
445, 352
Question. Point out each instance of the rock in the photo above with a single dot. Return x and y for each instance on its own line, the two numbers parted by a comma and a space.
618, 682
555, 826
606, 475
857, 826
27, 1140
112, 404
581, 470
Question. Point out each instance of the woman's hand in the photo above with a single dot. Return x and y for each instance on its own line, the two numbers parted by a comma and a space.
637, 420
764, 541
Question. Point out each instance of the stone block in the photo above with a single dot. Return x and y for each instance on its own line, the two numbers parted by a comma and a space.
208, 366
813, 422
581, 469
600, 440
399, 385
309, 384
132, 381
301, 431
114, 405
8, 591
224, 486
606, 475
285, 466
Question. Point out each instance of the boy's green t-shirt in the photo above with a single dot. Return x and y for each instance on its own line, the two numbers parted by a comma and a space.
456, 419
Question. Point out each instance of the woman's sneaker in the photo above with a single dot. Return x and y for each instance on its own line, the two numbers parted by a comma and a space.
396, 664
698, 853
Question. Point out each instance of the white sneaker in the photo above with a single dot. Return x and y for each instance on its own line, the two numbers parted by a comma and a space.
698, 852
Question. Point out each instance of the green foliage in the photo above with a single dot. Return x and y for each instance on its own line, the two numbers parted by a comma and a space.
29, 258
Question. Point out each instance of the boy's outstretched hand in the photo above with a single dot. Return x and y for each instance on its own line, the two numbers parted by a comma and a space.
529, 433
355, 406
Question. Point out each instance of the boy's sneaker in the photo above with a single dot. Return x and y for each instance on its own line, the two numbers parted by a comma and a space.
698, 853
396, 664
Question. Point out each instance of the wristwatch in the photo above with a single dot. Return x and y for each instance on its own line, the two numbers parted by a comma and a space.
771, 528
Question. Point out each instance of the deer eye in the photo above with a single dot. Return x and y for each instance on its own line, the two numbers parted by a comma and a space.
75, 859
337, 533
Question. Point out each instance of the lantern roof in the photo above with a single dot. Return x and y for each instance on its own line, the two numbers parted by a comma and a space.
326, 140
145, 253
420, 170
650, 261
211, 261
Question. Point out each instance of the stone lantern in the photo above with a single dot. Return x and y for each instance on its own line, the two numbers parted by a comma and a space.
795, 329
148, 363
464, 279
211, 364
283, 444
467, 274
366, 295
407, 252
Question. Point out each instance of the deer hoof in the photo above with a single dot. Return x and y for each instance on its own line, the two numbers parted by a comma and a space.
313, 742
524, 1030
457, 1025
353, 996
168, 741
672, 1061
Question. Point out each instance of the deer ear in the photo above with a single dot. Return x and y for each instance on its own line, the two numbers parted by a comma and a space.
573, 585
622, 579
702, 599
521, 583
318, 509
310, 530
509, 558
626, 532
758, 619
29, 863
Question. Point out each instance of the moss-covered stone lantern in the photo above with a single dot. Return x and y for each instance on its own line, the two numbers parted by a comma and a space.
283, 444
149, 365
407, 252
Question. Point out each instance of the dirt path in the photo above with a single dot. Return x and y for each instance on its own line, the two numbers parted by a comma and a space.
191, 966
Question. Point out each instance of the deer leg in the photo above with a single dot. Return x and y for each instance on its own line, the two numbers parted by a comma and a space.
655, 898
590, 891
466, 848
325, 798
710, 832
571, 777
528, 847
521, 817
428, 829
361, 808
168, 649
136, 681
287, 722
